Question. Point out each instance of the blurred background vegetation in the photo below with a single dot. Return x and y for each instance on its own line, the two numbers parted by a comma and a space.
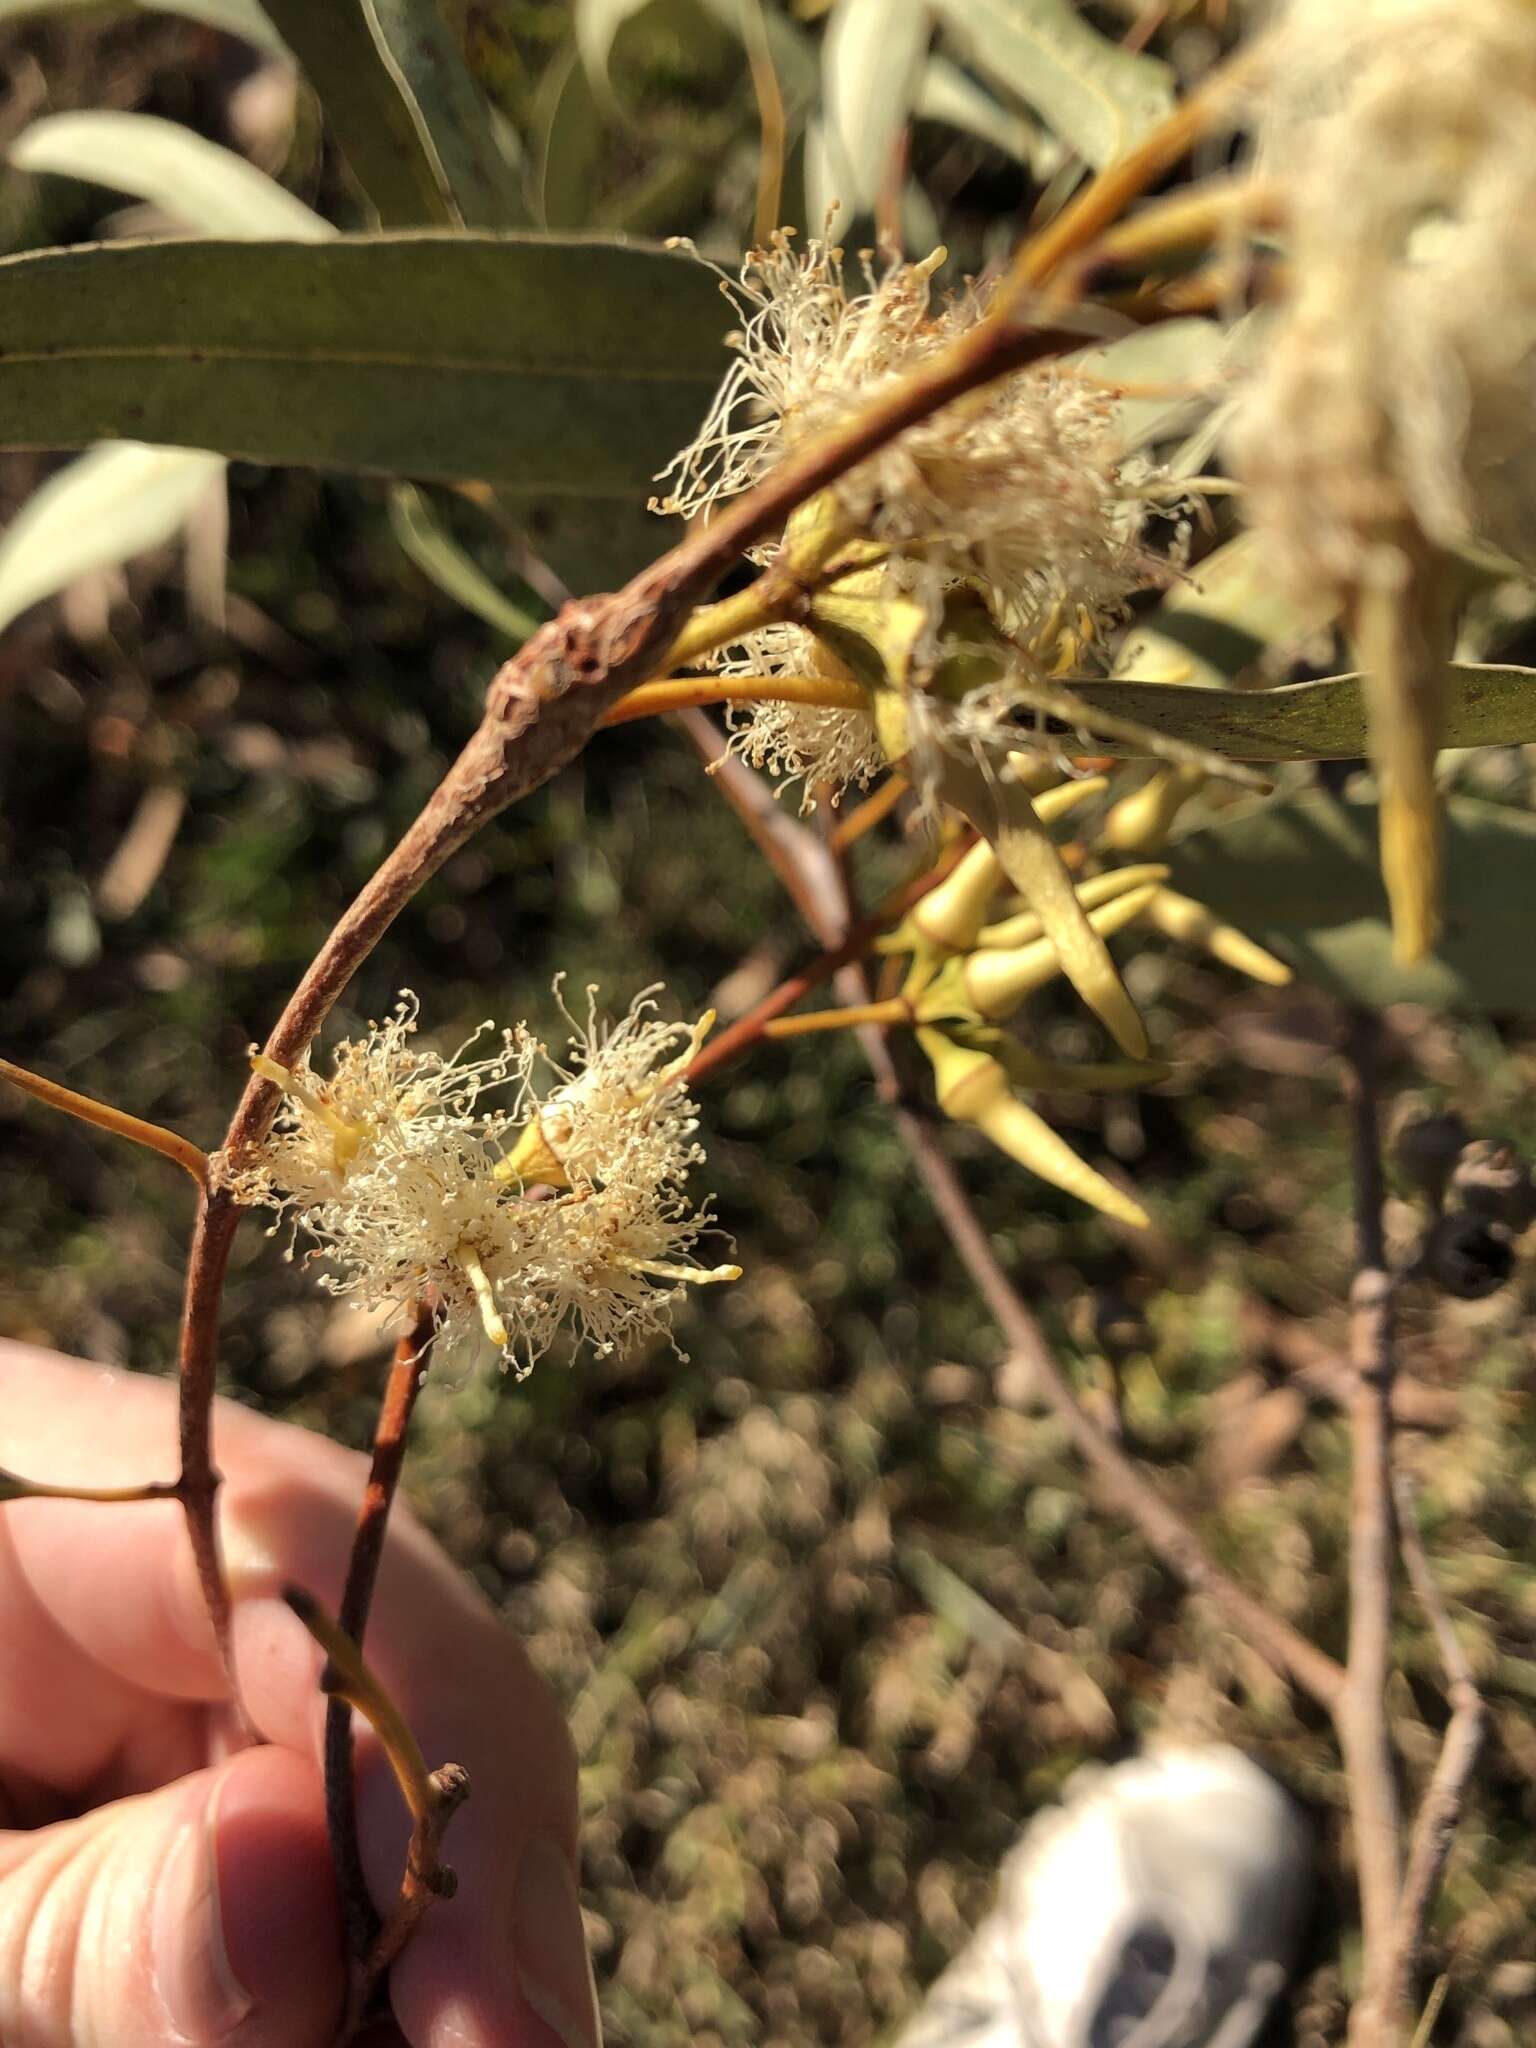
826, 1598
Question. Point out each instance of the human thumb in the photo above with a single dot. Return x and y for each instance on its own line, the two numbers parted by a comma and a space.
202, 1913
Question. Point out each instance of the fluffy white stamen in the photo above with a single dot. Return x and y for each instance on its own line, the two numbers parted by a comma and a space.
1019, 491
1402, 377
401, 1181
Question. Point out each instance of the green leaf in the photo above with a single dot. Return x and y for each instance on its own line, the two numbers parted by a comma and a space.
438, 555
124, 497
476, 151
196, 182
596, 24
1302, 877
871, 58
112, 504
569, 126
1485, 706
243, 18
1094, 95
410, 120
1221, 619
545, 366
947, 94
1182, 356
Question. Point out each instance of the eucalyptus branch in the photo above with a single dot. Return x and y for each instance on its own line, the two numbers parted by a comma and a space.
407, 1371
154, 1137
1361, 1713
431, 1797
546, 702
1434, 1826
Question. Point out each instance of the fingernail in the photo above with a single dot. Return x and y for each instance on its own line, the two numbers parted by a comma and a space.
554, 1971
202, 1997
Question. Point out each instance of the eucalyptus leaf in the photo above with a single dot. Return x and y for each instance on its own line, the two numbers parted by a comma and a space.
243, 18
1302, 877
568, 123
112, 504
438, 555
1486, 705
542, 365
381, 130
871, 59
1090, 92
1221, 619
596, 23
123, 498
949, 95
195, 182
475, 149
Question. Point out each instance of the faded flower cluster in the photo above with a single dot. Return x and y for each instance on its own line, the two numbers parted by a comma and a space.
1402, 378
1020, 492
556, 1205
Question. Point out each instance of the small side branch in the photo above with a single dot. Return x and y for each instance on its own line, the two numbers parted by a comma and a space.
154, 1137
1439, 1814
406, 1374
432, 1797
1361, 1716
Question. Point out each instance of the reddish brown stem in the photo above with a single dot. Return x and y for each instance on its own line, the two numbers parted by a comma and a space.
213, 1235
406, 1374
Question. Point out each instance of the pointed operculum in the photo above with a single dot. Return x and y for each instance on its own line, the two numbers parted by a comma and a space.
1403, 622
998, 980
973, 1088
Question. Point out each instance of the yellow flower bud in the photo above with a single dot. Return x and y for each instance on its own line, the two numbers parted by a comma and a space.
1141, 822
973, 1088
996, 982
1179, 917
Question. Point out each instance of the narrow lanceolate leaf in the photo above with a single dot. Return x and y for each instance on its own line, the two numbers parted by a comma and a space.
438, 555
197, 183
1486, 704
1302, 878
531, 363
871, 56
568, 126
125, 497
476, 151
1030, 858
110, 505
947, 94
1094, 95
408, 117
243, 18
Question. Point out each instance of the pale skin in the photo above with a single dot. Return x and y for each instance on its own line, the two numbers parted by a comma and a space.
132, 1827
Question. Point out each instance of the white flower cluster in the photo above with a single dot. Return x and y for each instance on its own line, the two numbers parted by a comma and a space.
561, 1208
1019, 491
1402, 378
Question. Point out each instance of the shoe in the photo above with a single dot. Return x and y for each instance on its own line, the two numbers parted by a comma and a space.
1158, 1907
